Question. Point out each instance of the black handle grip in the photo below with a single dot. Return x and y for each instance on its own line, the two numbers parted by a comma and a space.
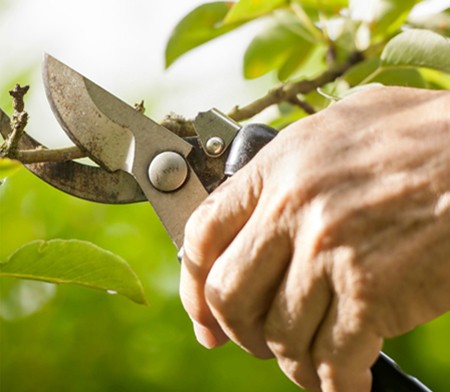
388, 377
249, 140
386, 374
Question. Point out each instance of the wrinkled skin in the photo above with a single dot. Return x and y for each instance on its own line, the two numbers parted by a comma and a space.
335, 236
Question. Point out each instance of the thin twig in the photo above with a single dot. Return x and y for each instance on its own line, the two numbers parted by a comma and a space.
19, 119
305, 106
140, 107
40, 155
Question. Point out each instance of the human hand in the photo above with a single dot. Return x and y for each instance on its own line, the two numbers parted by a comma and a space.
335, 236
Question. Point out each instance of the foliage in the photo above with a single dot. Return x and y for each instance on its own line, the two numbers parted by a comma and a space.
295, 30
74, 262
104, 344
419, 48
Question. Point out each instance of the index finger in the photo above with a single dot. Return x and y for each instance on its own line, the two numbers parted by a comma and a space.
209, 231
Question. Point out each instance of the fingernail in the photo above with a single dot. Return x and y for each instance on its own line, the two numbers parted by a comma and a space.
206, 338
180, 254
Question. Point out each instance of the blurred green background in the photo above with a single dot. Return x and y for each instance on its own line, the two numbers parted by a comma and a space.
75, 339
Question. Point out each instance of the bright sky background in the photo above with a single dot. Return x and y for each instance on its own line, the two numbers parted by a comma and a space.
120, 44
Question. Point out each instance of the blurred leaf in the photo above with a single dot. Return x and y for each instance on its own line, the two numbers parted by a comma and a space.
343, 32
384, 17
307, 18
436, 79
418, 48
288, 114
440, 22
276, 48
199, 26
391, 76
8, 167
296, 58
74, 262
327, 6
359, 72
299, 22
391, 15
407, 77
334, 91
245, 10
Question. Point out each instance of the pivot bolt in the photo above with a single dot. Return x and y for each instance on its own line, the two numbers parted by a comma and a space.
215, 145
168, 171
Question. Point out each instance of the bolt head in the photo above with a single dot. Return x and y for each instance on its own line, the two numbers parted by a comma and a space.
168, 171
215, 145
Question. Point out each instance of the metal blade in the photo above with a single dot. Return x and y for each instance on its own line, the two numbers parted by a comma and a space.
86, 182
116, 136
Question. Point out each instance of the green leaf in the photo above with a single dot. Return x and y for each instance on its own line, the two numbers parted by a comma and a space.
245, 10
296, 58
327, 6
345, 33
277, 48
201, 25
407, 77
8, 167
287, 115
74, 262
390, 76
417, 48
359, 72
436, 79
391, 15
384, 17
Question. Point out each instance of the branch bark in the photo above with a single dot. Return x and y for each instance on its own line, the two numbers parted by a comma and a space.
41, 155
288, 92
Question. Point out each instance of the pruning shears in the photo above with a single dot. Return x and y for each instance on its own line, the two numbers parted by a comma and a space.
141, 160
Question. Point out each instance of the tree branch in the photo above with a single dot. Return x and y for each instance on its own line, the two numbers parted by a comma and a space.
307, 108
40, 155
288, 92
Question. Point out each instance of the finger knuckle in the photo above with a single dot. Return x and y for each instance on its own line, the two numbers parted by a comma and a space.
200, 230
279, 339
235, 315
327, 374
276, 337
300, 373
233, 309
227, 304
202, 219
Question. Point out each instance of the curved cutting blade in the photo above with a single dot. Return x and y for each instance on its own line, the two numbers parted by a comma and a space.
86, 182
